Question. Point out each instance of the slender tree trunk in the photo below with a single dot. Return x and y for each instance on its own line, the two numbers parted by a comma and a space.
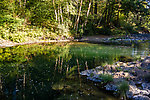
111, 13
78, 66
58, 15
56, 64
75, 18
24, 80
61, 15
88, 12
91, 7
61, 65
86, 65
108, 14
77, 22
55, 9
68, 12
95, 10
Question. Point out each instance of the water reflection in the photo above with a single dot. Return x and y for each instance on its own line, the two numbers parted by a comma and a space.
51, 71
142, 49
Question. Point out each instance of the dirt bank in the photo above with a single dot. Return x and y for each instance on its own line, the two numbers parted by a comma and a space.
7, 43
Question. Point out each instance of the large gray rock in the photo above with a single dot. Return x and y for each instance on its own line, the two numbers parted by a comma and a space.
111, 87
87, 72
146, 86
94, 79
140, 97
133, 90
146, 63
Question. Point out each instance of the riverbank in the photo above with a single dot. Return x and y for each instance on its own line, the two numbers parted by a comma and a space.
119, 40
131, 78
7, 43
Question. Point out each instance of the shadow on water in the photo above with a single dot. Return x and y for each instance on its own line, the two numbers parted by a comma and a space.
51, 71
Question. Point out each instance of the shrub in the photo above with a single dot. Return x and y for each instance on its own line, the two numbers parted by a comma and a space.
123, 86
91, 75
106, 78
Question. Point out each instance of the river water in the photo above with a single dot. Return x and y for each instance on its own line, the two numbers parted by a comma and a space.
51, 71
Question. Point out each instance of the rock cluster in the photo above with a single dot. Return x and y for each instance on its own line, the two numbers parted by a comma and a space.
129, 39
137, 74
123, 40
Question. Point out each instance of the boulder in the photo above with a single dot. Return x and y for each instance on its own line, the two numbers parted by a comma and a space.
140, 97
146, 86
111, 87
146, 63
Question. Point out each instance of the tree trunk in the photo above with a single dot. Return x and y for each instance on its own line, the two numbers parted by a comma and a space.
77, 22
91, 7
58, 15
55, 9
88, 12
108, 14
95, 10
61, 15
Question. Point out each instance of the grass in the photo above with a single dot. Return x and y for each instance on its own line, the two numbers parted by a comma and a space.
106, 78
123, 86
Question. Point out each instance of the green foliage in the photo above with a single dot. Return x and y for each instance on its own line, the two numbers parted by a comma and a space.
118, 31
92, 74
61, 19
123, 86
106, 78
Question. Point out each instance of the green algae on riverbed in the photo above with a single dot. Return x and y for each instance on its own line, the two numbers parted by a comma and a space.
44, 71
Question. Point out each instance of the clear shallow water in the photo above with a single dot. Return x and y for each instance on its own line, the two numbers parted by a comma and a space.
50, 71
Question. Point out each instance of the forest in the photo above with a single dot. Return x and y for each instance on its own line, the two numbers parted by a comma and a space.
28, 20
